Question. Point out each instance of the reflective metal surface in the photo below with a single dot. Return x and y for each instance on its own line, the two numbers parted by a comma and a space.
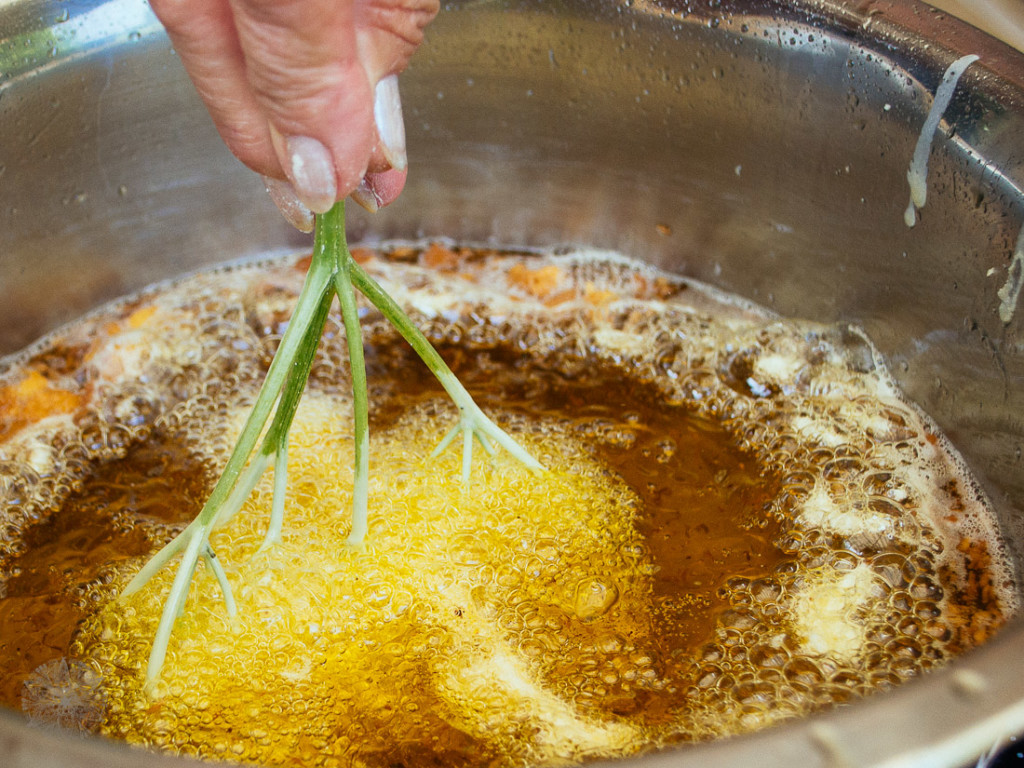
760, 146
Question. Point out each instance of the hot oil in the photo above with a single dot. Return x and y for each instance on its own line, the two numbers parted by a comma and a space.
66, 569
741, 521
694, 539
706, 513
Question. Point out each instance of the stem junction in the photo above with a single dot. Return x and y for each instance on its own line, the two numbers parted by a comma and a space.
332, 272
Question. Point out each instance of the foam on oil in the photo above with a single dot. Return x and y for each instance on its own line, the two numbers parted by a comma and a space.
742, 521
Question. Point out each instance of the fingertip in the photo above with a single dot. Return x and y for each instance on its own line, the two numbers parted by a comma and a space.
380, 189
388, 185
309, 166
288, 203
388, 120
364, 195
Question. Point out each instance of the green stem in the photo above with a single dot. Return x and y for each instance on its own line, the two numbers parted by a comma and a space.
174, 603
360, 404
472, 419
276, 441
332, 226
299, 375
309, 299
299, 326
229, 494
213, 563
332, 271
276, 525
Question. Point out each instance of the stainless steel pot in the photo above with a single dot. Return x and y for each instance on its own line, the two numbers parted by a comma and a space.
757, 145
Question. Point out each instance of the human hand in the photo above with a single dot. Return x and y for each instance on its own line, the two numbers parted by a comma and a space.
305, 92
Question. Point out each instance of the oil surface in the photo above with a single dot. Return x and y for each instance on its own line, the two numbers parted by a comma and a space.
740, 521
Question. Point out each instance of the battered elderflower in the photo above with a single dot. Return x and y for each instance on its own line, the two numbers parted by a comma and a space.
332, 271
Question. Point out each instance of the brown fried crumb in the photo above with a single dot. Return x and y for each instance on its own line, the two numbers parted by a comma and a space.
403, 253
976, 614
362, 255
666, 289
440, 258
536, 282
31, 400
560, 298
596, 296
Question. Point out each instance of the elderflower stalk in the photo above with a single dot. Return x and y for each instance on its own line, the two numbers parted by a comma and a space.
360, 406
332, 272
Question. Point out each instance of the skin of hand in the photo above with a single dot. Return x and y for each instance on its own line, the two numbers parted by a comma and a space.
305, 92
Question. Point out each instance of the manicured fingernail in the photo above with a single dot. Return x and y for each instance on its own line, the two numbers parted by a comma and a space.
310, 168
288, 203
387, 116
366, 197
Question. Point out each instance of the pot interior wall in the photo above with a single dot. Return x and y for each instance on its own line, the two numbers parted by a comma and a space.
761, 148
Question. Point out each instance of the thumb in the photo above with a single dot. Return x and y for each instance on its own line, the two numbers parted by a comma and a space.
303, 66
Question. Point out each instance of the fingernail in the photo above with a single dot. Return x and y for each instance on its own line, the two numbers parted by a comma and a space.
366, 197
310, 169
387, 116
288, 203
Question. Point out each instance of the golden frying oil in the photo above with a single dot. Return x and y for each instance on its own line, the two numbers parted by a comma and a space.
732, 528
